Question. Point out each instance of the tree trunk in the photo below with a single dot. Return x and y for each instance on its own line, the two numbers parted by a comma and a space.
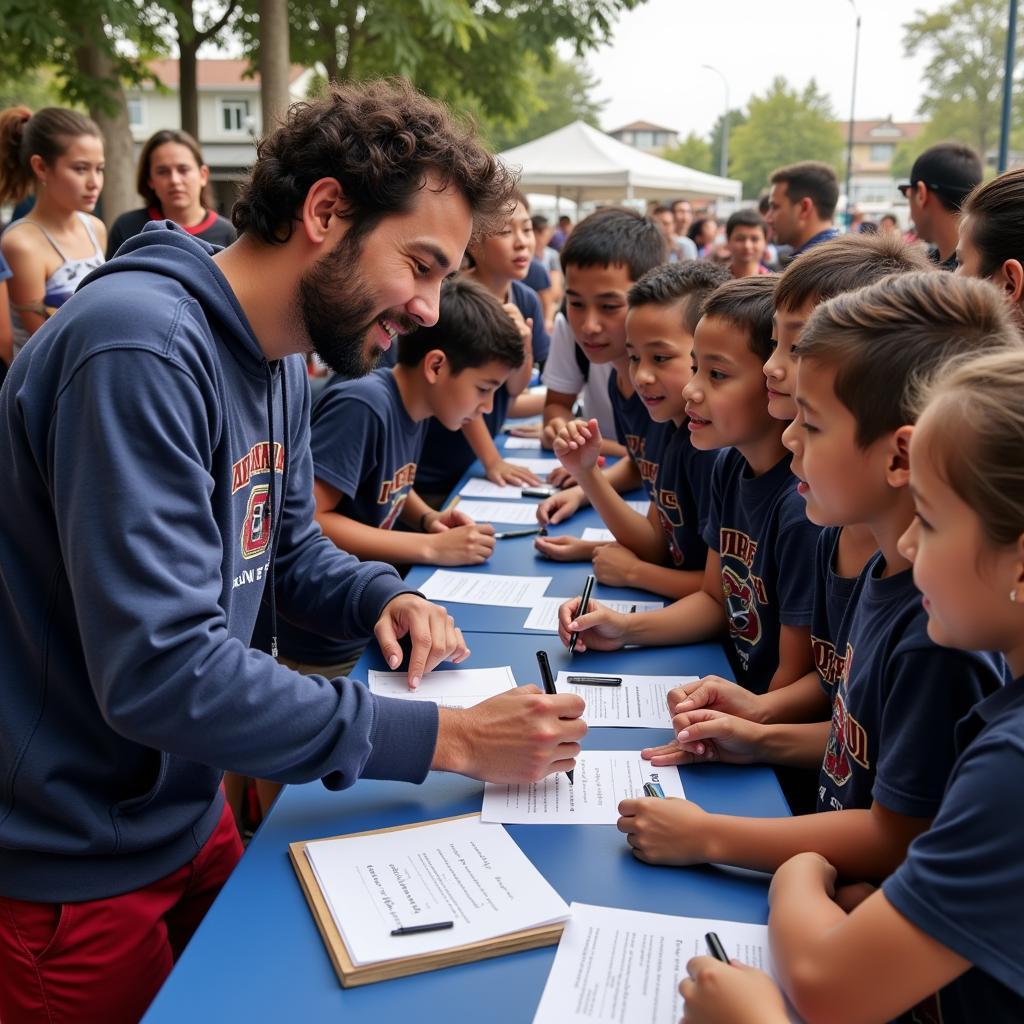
274, 63
119, 181
188, 91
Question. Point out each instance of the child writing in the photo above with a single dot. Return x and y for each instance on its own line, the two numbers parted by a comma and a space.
888, 750
944, 929
662, 551
760, 544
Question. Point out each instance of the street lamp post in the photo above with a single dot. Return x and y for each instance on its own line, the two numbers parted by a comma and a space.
1011, 61
849, 132
724, 158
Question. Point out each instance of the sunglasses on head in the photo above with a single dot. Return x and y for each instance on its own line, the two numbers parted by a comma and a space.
954, 191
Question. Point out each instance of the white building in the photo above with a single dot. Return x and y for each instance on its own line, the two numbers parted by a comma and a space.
230, 115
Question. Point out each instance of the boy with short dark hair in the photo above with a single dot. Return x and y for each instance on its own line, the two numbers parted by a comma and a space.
746, 235
760, 545
889, 749
662, 551
606, 254
366, 437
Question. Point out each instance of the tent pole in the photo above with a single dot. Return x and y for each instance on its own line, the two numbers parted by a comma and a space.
558, 201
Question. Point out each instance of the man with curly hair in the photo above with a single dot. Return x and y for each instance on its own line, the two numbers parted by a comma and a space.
156, 438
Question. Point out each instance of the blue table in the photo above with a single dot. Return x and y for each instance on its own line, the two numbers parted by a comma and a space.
258, 956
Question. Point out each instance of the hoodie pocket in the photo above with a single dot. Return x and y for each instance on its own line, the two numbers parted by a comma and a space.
137, 803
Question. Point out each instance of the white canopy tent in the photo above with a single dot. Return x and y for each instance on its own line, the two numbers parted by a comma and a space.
586, 165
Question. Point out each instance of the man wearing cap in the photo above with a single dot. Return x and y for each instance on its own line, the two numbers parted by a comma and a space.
940, 181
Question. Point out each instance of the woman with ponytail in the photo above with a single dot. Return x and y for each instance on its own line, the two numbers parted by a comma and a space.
58, 153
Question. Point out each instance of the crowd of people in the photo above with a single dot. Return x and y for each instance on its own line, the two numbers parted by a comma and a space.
194, 552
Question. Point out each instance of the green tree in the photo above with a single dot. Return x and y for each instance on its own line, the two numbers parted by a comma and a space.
476, 53
95, 46
557, 96
965, 42
693, 152
783, 126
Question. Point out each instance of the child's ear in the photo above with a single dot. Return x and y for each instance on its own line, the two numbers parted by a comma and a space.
433, 362
897, 470
1013, 280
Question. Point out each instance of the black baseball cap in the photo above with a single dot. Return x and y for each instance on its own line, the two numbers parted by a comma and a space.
950, 169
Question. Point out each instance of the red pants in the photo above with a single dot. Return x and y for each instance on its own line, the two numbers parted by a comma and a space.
105, 960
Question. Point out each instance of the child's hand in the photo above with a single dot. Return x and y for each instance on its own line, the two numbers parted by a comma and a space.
559, 507
614, 565
716, 693
600, 629
561, 477
578, 446
805, 871
551, 430
502, 472
462, 545
525, 327
664, 831
710, 736
732, 993
449, 519
565, 548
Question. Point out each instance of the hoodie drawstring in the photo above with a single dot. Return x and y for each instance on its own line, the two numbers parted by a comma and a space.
275, 527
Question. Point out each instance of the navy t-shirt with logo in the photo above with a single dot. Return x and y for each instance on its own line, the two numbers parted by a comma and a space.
767, 549
896, 701
644, 439
446, 453
962, 882
682, 491
365, 445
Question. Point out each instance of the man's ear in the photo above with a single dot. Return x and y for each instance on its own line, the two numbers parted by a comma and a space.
897, 469
433, 363
324, 200
806, 206
1013, 280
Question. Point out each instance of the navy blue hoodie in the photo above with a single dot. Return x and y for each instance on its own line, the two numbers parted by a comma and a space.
135, 543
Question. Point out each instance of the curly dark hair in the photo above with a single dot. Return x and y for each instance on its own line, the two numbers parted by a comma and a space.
379, 139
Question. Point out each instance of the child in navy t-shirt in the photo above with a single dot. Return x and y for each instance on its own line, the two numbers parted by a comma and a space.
888, 749
756, 586
367, 435
663, 551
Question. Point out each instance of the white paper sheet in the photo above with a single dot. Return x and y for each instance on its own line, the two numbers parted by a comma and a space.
525, 444
601, 779
639, 506
625, 965
476, 487
640, 702
475, 588
500, 512
462, 871
544, 614
539, 466
597, 534
450, 688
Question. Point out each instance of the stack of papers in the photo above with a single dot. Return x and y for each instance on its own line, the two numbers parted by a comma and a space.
475, 588
460, 870
593, 533
600, 780
522, 444
544, 614
614, 965
451, 688
640, 702
539, 466
475, 487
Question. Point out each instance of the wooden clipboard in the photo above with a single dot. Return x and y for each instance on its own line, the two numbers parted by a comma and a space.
350, 975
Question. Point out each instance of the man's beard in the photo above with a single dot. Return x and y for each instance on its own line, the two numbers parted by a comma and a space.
337, 310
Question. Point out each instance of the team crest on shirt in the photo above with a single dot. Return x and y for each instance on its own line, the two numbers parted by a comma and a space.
256, 524
636, 445
827, 663
744, 593
670, 515
847, 738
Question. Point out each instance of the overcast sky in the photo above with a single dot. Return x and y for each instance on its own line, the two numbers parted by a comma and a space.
652, 69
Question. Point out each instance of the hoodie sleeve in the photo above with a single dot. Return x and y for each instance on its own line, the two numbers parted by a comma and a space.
130, 447
318, 586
